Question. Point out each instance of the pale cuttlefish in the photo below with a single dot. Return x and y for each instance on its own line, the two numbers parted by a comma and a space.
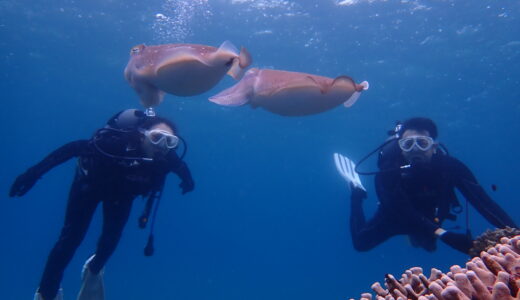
181, 69
291, 93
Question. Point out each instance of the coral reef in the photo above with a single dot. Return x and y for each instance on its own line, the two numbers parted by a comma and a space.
490, 238
495, 275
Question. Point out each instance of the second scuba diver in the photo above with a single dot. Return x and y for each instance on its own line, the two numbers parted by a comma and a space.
130, 156
416, 185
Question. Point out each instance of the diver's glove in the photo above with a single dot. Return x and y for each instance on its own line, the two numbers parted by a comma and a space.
24, 183
357, 194
458, 241
187, 186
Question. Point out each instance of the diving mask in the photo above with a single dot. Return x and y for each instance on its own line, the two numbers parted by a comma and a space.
422, 142
161, 137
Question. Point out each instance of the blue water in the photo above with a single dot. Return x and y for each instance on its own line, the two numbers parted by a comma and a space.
269, 216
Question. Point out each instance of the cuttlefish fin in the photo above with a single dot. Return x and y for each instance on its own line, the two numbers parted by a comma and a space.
363, 86
227, 46
239, 94
245, 58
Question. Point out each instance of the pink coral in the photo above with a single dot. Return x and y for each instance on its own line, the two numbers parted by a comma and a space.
495, 275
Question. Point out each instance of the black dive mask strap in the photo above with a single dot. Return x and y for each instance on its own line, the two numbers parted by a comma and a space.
444, 149
185, 147
356, 169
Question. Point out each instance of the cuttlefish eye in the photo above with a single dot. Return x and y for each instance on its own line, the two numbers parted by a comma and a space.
137, 49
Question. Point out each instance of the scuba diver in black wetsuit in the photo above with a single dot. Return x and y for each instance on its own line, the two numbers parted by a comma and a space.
416, 190
130, 156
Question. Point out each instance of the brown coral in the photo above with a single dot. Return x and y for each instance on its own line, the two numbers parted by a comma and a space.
495, 275
490, 238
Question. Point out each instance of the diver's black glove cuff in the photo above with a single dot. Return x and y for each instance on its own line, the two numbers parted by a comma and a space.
187, 186
357, 194
24, 183
458, 241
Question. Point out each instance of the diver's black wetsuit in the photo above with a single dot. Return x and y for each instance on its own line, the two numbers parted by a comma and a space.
415, 202
115, 183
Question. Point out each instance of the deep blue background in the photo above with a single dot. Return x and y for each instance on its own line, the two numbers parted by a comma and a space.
269, 216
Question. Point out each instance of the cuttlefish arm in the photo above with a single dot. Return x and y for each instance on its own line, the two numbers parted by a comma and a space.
240, 64
240, 61
239, 94
346, 83
363, 86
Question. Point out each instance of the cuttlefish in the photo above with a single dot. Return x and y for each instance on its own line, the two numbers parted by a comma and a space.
181, 69
291, 93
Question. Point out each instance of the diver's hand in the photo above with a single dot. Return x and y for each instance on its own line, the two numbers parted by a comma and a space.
23, 183
187, 186
357, 193
458, 241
